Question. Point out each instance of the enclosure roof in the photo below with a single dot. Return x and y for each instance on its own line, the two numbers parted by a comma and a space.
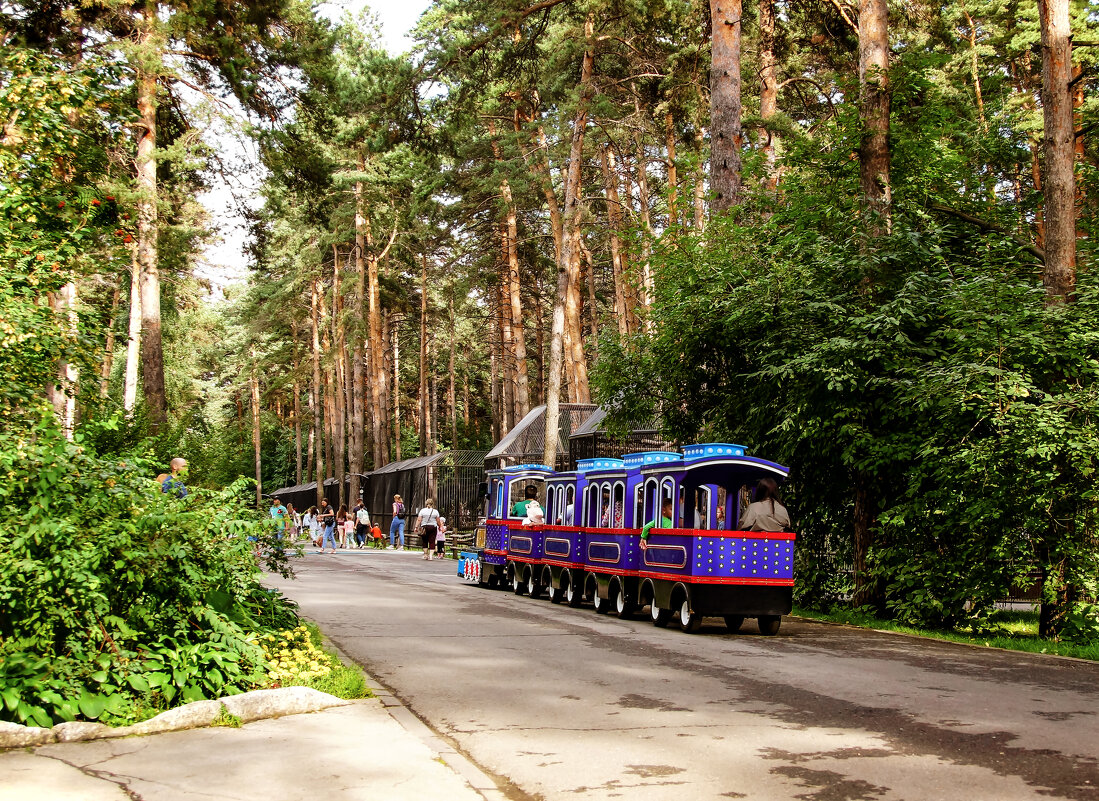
529, 435
594, 424
457, 458
328, 482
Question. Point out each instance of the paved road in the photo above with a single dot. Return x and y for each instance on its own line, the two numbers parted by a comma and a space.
566, 704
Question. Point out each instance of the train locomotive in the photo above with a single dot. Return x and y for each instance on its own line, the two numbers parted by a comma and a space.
692, 563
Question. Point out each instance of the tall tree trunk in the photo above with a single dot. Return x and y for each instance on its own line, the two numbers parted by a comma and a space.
296, 353
152, 351
316, 395
622, 310
1058, 148
725, 105
256, 434
378, 376
507, 360
494, 391
451, 395
395, 334
339, 380
593, 308
673, 179
643, 213
108, 347
563, 302
133, 340
62, 390
358, 378
874, 157
425, 408
768, 88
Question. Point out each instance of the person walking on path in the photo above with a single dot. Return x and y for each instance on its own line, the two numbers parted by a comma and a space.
397, 526
294, 521
440, 538
343, 525
362, 524
173, 484
312, 524
327, 519
280, 516
427, 523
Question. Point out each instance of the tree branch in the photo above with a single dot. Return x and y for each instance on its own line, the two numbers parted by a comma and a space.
986, 226
843, 13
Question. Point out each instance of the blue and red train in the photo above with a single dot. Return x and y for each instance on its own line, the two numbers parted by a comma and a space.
693, 564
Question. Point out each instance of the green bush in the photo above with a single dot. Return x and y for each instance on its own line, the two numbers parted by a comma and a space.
116, 600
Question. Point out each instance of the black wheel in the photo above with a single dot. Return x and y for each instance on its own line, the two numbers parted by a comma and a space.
690, 620
768, 624
555, 594
602, 605
734, 622
534, 589
660, 617
573, 596
622, 605
518, 586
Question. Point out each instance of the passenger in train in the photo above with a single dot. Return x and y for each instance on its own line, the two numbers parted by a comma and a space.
665, 521
606, 521
520, 508
766, 512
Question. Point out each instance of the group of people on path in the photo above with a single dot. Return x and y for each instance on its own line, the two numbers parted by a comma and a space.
330, 529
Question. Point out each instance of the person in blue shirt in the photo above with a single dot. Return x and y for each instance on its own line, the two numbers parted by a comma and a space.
279, 515
173, 484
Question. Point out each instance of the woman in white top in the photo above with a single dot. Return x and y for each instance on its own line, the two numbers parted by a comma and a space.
766, 512
427, 522
310, 522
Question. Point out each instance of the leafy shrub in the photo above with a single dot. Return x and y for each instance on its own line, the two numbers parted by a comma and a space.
115, 597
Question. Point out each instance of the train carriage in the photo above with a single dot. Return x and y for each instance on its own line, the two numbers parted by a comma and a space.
499, 554
693, 563
701, 565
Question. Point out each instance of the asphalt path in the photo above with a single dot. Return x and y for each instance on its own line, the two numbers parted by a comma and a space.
562, 703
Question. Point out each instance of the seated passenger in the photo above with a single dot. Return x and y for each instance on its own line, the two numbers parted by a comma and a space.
608, 520
520, 508
766, 512
665, 521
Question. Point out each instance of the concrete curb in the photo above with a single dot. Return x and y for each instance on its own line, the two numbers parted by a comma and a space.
250, 706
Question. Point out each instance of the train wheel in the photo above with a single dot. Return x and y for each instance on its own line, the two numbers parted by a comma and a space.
573, 596
690, 620
768, 624
622, 605
734, 622
534, 589
602, 605
660, 617
518, 586
555, 594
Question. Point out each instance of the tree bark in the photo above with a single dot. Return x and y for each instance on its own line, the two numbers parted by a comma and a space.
339, 377
452, 396
318, 403
622, 311
62, 391
874, 156
1058, 148
425, 410
569, 257
296, 344
152, 351
256, 438
378, 375
133, 340
673, 179
395, 335
358, 386
108, 346
725, 105
768, 89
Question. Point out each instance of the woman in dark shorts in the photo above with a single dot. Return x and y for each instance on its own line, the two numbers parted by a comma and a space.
428, 524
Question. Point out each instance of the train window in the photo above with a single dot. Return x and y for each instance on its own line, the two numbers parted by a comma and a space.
569, 512
639, 505
652, 505
551, 503
519, 495
618, 494
499, 509
668, 495
702, 516
591, 506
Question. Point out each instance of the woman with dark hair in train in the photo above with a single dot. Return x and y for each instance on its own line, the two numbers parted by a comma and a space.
766, 512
